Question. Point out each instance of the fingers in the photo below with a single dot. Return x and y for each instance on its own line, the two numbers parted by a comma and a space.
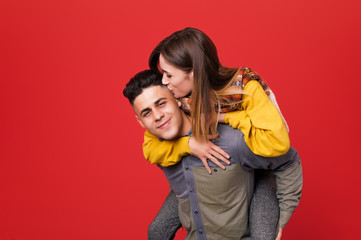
220, 157
216, 153
208, 150
219, 150
215, 161
205, 163
219, 153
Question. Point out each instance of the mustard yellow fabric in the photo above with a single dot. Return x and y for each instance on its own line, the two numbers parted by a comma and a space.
261, 123
164, 153
259, 120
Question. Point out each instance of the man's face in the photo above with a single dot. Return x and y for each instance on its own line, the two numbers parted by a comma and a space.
157, 110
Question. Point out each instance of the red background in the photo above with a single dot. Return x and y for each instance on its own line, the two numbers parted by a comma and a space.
71, 164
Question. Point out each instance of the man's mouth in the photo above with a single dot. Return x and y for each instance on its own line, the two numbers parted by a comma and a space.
164, 124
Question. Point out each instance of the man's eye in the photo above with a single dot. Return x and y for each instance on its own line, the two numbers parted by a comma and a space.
145, 114
162, 103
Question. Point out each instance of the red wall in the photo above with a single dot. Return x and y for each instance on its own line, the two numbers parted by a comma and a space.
71, 164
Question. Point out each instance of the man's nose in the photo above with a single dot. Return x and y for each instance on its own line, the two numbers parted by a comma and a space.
158, 114
165, 80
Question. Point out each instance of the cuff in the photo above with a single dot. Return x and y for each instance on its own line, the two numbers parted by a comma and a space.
284, 217
184, 142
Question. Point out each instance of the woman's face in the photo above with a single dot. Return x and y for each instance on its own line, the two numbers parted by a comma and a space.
179, 82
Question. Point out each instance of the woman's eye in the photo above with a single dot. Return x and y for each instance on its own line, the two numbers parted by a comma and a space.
169, 76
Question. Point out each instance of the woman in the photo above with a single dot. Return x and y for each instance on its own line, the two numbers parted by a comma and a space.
191, 69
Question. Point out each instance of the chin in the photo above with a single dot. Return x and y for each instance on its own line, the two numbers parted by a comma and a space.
169, 136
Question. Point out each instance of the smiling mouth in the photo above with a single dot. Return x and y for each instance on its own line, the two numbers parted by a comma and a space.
164, 124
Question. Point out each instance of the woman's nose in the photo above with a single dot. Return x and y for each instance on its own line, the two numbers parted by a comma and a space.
165, 80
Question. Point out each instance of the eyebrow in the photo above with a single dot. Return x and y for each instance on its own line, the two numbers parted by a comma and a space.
160, 99
144, 110
156, 103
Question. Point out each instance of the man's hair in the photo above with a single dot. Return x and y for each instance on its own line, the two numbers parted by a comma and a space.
141, 81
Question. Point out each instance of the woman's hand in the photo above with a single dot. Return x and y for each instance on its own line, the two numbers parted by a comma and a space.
208, 150
221, 117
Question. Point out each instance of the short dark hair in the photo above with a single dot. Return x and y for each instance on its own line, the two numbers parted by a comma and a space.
139, 82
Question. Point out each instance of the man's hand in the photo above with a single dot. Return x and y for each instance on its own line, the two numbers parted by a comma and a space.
279, 235
208, 150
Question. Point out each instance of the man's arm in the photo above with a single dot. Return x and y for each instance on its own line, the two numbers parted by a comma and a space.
289, 189
289, 179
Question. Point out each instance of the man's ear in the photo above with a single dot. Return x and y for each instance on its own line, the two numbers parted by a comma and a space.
178, 102
140, 122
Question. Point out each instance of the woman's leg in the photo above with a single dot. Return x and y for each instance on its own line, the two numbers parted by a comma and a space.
166, 223
264, 211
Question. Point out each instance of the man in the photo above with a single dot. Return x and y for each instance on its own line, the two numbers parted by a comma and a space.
212, 206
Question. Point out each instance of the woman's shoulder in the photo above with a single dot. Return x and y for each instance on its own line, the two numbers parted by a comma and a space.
246, 74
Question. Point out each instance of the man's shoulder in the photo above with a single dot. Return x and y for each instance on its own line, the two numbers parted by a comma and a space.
226, 127
227, 133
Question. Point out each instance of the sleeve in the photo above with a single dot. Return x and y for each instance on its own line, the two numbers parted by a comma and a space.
289, 189
289, 179
261, 123
164, 153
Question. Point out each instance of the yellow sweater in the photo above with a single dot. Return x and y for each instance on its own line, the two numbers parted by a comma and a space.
259, 120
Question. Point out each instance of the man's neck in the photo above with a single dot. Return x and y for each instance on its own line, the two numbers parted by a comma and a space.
187, 124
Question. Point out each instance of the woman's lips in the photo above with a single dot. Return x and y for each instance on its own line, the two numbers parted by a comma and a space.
170, 89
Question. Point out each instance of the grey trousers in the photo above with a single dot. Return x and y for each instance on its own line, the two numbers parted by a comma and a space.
166, 223
263, 216
264, 210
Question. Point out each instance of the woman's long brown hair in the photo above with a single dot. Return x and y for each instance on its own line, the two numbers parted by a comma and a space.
191, 49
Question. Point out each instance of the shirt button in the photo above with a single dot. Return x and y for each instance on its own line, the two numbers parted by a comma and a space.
187, 168
200, 231
192, 190
196, 212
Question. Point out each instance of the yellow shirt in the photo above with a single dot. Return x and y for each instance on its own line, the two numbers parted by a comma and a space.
259, 120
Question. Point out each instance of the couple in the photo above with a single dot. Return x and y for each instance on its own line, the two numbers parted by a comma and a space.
216, 205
